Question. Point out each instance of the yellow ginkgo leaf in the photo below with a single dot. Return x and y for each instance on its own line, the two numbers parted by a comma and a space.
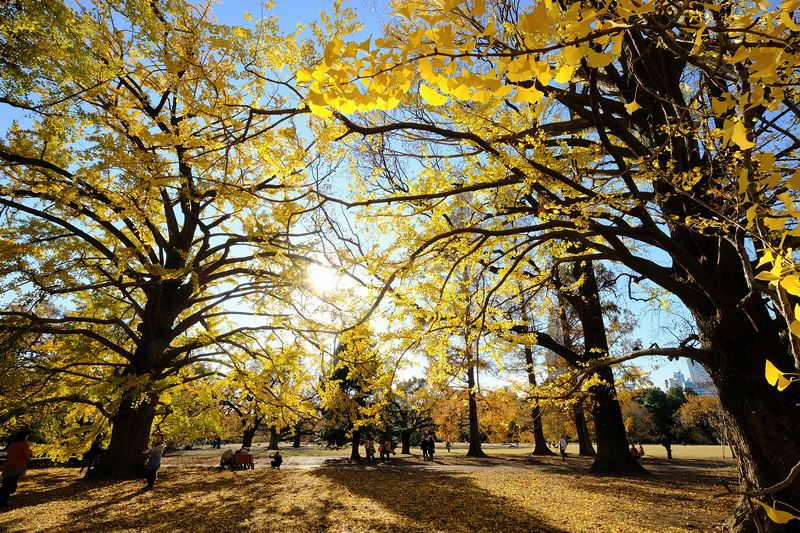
771, 373
740, 136
767, 276
779, 517
598, 59
775, 223
432, 96
792, 284
787, 21
775, 377
633, 106
320, 111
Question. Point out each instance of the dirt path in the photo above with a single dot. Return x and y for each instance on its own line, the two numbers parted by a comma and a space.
443, 463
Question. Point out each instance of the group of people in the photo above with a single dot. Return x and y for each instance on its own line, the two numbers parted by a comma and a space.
637, 452
276, 459
227, 455
428, 448
384, 449
427, 445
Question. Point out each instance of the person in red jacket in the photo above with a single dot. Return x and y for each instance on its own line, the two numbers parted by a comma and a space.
19, 454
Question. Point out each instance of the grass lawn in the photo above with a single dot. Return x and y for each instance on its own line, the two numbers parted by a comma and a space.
324, 492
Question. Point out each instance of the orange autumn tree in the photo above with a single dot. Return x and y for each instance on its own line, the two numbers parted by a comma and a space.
659, 136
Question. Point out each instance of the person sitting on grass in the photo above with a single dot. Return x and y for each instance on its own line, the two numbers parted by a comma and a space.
634, 451
276, 459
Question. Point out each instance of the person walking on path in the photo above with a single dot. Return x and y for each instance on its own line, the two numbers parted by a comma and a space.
370, 447
386, 451
431, 447
91, 457
424, 447
562, 447
447, 445
17, 459
154, 461
666, 444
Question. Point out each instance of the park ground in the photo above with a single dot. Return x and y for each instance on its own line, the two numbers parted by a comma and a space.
322, 491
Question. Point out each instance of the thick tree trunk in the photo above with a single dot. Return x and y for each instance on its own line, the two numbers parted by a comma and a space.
540, 444
130, 436
764, 427
613, 455
405, 441
474, 431
585, 448
250, 433
298, 433
274, 438
356, 443
737, 327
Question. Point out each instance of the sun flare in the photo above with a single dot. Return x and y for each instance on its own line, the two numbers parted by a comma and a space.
322, 278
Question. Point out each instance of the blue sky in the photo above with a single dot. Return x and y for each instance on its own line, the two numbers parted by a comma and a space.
290, 13
371, 13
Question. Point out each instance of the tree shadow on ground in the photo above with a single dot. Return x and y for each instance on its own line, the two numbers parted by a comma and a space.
385, 499
203, 500
441, 501
197, 500
58, 484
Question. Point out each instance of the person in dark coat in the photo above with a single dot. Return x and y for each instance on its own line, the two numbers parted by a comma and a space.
424, 447
431, 448
154, 455
277, 459
666, 444
91, 457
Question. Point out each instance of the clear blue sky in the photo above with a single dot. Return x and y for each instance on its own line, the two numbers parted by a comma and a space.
290, 13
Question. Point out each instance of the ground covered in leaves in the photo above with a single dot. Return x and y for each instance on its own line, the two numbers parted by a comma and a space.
455, 495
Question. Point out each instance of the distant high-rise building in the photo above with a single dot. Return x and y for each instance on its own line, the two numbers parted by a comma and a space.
700, 381
677, 380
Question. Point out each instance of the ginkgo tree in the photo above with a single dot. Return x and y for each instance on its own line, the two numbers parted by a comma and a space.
659, 136
354, 393
158, 193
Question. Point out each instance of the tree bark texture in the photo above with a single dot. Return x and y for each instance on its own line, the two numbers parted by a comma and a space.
613, 455
355, 443
474, 431
130, 435
540, 443
585, 448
